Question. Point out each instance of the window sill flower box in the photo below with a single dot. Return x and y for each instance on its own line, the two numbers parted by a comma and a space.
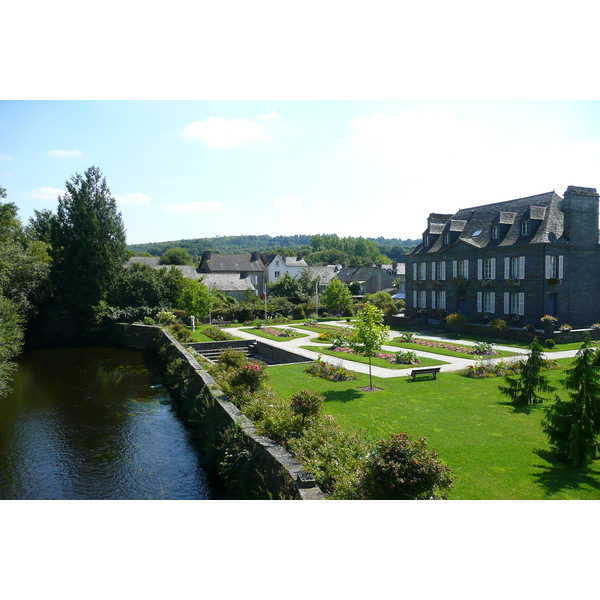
486, 282
513, 282
460, 281
554, 281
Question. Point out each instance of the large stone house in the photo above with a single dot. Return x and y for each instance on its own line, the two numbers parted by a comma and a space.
516, 260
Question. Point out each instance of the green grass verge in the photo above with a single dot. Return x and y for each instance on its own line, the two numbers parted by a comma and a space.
445, 351
264, 334
376, 362
198, 336
495, 451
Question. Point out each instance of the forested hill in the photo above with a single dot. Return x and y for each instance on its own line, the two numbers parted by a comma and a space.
304, 245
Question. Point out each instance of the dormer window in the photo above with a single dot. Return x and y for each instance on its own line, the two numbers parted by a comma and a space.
425, 240
446, 238
495, 233
525, 228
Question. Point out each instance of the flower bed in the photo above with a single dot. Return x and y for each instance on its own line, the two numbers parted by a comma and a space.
330, 372
478, 349
214, 333
286, 333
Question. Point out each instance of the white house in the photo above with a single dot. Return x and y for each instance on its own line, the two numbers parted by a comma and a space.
277, 265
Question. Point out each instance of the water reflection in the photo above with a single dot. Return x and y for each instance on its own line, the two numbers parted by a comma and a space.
91, 423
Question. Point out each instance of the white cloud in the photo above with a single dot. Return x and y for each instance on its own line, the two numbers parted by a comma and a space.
65, 153
217, 132
287, 202
197, 208
269, 116
4, 157
46, 194
135, 199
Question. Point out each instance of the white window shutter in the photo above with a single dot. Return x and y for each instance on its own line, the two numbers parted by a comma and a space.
506, 303
493, 269
521, 267
479, 302
443, 300
521, 303
507, 268
560, 267
479, 268
415, 277
415, 300
492, 302
433, 273
548, 267
467, 269
443, 273
433, 299
454, 268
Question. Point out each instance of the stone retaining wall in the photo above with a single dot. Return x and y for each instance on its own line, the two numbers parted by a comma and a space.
275, 355
210, 413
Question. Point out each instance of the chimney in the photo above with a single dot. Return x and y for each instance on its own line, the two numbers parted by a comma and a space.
580, 207
206, 255
254, 256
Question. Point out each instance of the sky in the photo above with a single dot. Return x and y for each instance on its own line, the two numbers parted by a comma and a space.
204, 168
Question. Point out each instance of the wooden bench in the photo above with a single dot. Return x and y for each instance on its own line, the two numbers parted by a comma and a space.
427, 371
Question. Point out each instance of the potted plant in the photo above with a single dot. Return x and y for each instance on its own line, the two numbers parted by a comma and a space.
565, 328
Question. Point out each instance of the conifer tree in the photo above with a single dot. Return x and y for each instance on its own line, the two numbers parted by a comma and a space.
523, 389
572, 426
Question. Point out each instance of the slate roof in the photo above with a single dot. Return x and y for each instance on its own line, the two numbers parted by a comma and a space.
324, 273
227, 282
231, 262
472, 226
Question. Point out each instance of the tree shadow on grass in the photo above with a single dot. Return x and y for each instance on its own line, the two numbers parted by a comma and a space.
557, 476
342, 396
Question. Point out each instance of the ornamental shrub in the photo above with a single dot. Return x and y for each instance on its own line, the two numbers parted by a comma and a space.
181, 333
406, 358
456, 319
165, 317
550, 343
307, 404
400, 468
483, 349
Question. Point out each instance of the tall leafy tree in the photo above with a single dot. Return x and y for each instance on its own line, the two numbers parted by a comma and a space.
369, 334
176, 256
337, 296
524, 388
195, 298
573, 425
88, 245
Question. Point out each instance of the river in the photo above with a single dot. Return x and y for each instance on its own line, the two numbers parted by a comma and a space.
94, 423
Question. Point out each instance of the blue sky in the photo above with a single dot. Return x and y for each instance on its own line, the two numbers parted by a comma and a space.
186, 169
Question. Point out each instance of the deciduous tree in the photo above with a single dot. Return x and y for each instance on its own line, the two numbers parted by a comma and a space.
369, 334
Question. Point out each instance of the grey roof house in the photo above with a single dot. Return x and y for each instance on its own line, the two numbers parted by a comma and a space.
517, 260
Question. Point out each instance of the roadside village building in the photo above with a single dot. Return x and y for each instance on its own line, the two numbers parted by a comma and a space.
245, 266
516, 260
371, 278
276, 266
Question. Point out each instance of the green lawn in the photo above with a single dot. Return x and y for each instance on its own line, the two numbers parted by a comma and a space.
376, 362
264, 334
200, 337
495, 451
445, 351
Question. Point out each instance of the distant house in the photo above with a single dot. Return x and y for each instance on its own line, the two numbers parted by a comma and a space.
374, 278
154, 262
277, 265
324, 273
243, 266
231, 284
517, 260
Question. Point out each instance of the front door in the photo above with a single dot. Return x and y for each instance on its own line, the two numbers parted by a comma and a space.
462, 301
553, 305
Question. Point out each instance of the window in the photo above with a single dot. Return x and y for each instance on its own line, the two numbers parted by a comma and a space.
276, 263
477, 233
441, 272
514, 268
460, 268
495, 232
277, 274
554, 267
415, 299
514, 303
446, 238
486, 268
525, 228
423, 299
422, 271
486, 302
425, 240
440, 300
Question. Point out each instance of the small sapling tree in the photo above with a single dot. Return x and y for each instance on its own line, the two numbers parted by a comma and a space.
523, 389
369, 335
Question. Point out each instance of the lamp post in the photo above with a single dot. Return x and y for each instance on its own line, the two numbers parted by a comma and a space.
317, 298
